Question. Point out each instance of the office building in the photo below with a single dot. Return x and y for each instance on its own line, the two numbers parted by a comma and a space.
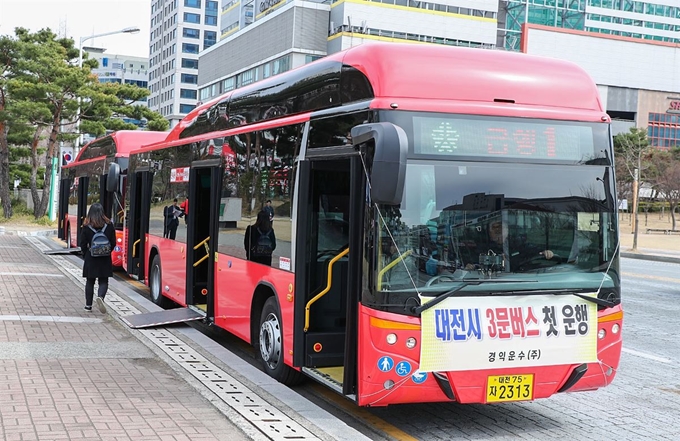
180, 29
121, 69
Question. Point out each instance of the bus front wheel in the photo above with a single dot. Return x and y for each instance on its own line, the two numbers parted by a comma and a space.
156, 283
271, 346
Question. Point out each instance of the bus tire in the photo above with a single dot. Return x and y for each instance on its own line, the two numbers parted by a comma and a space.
156, 283
270, 346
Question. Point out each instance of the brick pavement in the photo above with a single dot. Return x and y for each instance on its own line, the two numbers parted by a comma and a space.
68, 374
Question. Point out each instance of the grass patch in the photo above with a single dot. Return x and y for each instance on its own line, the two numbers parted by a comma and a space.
23, 216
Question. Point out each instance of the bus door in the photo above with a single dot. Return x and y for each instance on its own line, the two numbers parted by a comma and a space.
205, 183
83, 188
64, 193
325, 337
138, 223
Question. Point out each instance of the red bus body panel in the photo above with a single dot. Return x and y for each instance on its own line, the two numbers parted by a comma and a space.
467, 386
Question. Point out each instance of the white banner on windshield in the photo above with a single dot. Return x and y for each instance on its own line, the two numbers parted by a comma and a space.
471, 333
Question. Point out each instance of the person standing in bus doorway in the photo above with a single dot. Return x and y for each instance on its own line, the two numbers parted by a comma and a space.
259, 240
96, 268
173, 219
269, 210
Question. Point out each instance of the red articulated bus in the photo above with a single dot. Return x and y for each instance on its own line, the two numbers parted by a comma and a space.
444, 225
84, 182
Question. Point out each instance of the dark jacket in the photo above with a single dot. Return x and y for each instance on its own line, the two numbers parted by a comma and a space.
250, 240
94, 267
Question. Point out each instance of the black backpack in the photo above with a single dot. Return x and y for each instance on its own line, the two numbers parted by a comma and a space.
264, 246
100, 245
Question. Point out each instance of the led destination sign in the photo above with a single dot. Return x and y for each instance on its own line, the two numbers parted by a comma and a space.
504, 137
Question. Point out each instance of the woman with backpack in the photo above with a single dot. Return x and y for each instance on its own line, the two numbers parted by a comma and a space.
260, 240
97, 259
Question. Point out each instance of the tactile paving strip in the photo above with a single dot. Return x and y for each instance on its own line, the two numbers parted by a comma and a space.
262, 415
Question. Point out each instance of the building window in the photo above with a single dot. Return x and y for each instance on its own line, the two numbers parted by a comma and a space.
187, 94
191, 33
189, 79
209, 39
663, 130
188, 48
211, 20
192, 3
229, 84
188, 63
186, 108
192, 18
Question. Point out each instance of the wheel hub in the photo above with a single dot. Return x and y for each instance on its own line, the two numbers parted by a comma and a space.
270, 341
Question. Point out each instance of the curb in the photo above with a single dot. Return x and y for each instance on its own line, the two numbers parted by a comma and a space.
4, 231
651, 257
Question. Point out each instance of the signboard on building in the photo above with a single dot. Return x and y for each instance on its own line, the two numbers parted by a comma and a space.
674, 107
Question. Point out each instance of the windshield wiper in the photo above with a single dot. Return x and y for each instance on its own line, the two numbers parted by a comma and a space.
560, 292
596, 300
446, 294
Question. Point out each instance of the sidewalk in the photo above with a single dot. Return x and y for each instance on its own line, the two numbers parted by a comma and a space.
69, 374
66, 373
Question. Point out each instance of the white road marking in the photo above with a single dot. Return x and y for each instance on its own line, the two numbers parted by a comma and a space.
648, 356
47, 318
31, 274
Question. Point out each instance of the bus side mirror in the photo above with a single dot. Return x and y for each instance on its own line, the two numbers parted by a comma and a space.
389, 159
113, 177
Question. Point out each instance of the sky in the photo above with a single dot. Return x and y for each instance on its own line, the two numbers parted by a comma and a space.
82, 18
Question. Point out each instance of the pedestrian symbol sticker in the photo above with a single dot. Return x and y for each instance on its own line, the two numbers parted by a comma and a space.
419, 377
385, 364
403, 368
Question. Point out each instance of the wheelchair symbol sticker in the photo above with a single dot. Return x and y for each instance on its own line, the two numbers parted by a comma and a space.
385, 364
403, 368
419, 377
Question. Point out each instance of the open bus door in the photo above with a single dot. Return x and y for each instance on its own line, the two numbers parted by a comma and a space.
138, 223
327, 271
83, 188
205, 184
64, 193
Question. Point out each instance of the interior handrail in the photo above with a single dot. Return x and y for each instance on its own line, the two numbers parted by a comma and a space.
326, 289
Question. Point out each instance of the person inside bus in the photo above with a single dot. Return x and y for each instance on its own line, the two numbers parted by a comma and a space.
269, 210
520, 253
259, 240
174, 213
96, 268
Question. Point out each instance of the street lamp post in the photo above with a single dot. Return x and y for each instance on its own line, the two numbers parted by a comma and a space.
57, 157
130, 30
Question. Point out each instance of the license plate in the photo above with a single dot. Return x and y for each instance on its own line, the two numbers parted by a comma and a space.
504, 388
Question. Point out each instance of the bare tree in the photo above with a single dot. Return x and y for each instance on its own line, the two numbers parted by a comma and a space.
634, 150
666, 179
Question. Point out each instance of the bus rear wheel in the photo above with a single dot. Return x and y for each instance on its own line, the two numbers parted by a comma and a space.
271, 346
156, 283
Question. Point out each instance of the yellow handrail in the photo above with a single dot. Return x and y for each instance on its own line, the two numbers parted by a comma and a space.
326, 289
207, 251
134, 247
202, 242
390, 266
200, 260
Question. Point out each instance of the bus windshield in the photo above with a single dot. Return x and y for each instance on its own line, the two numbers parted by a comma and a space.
528, 226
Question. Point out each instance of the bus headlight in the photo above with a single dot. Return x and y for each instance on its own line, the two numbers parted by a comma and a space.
411, 342
616, 328
391, 339
119, 240
601, 334
389, 384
